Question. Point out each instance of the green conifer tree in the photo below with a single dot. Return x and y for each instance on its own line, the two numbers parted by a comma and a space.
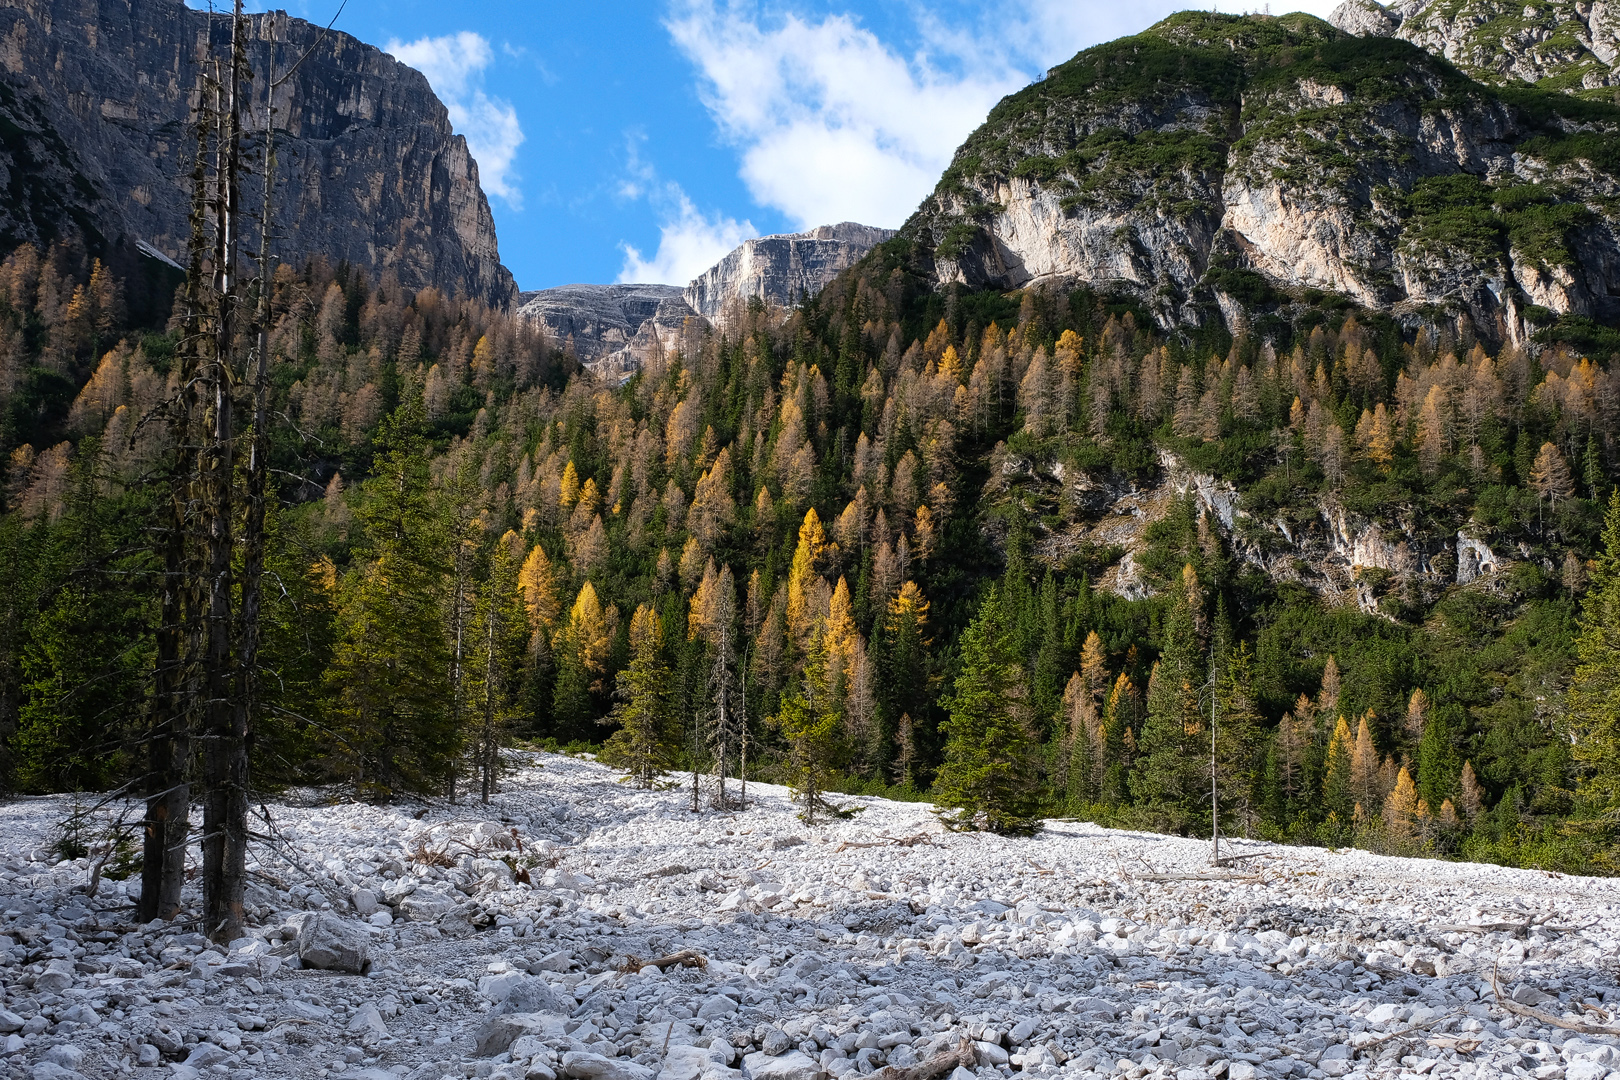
388, 683
987, 778
1594, 695
647, 743
811, 722
1170, 776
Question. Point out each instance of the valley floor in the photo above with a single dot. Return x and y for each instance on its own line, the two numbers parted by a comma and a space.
831, 951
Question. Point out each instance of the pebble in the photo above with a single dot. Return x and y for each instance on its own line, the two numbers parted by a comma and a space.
386, 946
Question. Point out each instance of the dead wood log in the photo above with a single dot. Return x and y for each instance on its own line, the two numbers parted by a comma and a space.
1507, 1004
963, 1056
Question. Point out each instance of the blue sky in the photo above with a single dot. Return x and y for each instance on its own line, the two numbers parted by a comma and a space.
639, 140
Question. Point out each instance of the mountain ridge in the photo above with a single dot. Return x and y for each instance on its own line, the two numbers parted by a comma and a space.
97, 99
1225, 167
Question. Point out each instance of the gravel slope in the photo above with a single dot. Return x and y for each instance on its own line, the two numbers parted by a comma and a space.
830, 952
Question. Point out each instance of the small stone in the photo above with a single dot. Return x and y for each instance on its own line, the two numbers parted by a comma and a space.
366, 902
147, 1056
528, 995
775, 1043
990, 1053
501, 1030
9, 1022
368, 1023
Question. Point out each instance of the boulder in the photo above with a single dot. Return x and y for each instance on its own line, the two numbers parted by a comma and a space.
794, 1066
500, 1030
425, 905
582, 1065
57, 976
527, 994
331, 943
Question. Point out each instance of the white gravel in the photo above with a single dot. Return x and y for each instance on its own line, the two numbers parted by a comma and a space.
831, 952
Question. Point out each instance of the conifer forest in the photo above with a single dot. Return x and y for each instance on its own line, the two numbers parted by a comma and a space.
844, 547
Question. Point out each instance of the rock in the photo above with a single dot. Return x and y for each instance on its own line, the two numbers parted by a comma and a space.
330, 943
583, 1065
366, 902
425, 905
717, 1007
67, 1056
990, 1053
611, 327
367, 1022
101, 101
57, 976
559, 962
527, 994
775, 1043
792, 1066
147, 1056
10, 1021
206, 1055
1384, 1014
1585, 1069
500, 1030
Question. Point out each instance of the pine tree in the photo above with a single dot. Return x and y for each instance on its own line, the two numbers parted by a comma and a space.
987, 778
1594, 695
1238, 744
646, 742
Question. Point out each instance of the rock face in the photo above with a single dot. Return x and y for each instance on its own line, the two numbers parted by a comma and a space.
615, 328
1217, 163
1568, 45
97, 99
609, 325
782, 270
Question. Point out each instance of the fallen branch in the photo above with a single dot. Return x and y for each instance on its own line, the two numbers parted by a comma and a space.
1228, 860
1401, 1034
1516, 929
1194, 877
939, 1065
685, 958
1507, 1004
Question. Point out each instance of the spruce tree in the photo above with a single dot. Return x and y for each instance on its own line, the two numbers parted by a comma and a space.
811, 722
988, 776
389, 681
1594, 696
497, 656
647, 742
1170, 777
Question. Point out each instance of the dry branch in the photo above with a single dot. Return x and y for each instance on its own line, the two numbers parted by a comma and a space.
1507, 1004
684, 958
938, 1065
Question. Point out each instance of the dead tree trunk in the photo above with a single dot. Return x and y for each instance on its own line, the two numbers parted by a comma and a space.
225, 749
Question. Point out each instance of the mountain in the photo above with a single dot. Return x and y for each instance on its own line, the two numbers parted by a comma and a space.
615, 327
96, 103
782, 270
599, 322
1231, 167
1568, 45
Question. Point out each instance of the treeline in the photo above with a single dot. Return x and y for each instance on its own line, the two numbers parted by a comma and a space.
828, 547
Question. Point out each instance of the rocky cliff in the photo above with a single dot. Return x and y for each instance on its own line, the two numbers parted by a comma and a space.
1569, 45
1221, 163
782, 270
609, 327
95, 103
614, 328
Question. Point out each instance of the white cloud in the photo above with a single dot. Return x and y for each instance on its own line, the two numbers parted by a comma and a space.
454, 65
833, 123
689, 242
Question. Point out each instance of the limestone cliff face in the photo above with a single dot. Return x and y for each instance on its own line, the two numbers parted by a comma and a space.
1215, 164
781, 270
98, 97
616, 328
609, 327
1569, 45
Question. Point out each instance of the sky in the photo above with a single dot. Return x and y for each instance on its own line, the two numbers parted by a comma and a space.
640, 140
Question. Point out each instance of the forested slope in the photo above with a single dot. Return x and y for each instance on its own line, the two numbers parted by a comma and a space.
799, 520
